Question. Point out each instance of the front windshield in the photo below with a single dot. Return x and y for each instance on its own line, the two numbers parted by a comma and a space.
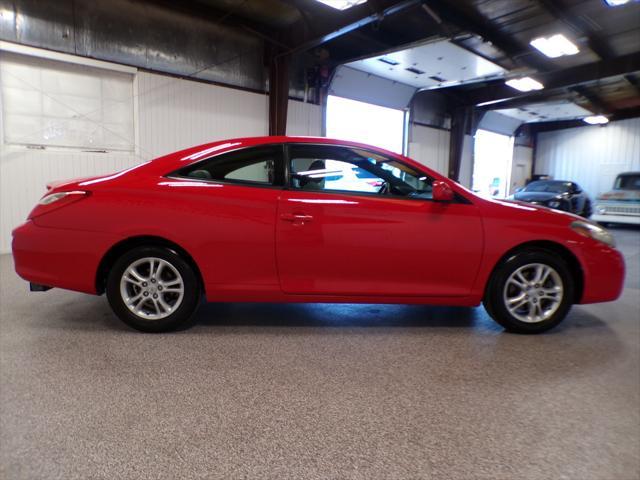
628, 182
551, 187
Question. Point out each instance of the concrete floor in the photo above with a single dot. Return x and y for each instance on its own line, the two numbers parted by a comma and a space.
317, 391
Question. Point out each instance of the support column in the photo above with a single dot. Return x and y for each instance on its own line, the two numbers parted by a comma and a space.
278, 94
459, 126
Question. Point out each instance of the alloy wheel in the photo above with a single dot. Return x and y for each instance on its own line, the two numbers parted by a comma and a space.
533, 292
151, 288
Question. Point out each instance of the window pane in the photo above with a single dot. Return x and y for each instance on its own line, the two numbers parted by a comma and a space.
321, 168
252, 165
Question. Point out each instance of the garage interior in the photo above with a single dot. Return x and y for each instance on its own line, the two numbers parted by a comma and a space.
91, 87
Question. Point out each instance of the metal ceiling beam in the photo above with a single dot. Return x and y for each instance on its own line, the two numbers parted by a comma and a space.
538, 127
545, 96
598, 104
352, 24
496, 94
633, 81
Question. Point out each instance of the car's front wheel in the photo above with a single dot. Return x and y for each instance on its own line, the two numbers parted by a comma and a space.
153, 289
530, 292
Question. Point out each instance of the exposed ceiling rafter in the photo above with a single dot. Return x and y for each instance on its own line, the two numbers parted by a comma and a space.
356, 18
562, 124
497, 94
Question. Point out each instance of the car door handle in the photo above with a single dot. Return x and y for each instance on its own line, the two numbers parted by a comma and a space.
296, 218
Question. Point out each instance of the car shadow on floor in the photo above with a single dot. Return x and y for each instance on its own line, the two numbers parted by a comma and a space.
94, 313
334, 315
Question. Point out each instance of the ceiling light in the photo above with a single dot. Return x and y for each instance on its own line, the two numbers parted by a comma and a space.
555, 46
596, 119
341, 4
615, 3
525, 84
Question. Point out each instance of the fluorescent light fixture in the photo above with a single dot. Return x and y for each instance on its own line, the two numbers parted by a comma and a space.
556, 46
525, 84
615, 3
596, 119
341, 4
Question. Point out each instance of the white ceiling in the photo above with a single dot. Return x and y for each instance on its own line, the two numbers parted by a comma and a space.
542, 112
451, 64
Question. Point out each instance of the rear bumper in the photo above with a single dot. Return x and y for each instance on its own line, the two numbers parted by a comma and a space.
60, 258
628, 219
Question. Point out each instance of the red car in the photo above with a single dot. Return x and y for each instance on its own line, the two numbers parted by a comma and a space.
289, 219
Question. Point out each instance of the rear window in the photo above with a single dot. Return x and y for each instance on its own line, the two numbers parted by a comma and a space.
628, 182
550, 187
250, 165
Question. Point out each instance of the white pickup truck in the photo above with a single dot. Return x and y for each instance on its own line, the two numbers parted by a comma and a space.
622, 204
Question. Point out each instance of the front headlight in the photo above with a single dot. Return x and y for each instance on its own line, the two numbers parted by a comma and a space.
591, 230
554, 204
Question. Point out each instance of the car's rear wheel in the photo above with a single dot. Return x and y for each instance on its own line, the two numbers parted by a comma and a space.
153, 289
530, 292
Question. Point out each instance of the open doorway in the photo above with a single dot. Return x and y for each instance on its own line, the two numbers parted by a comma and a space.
493, 154
363, 122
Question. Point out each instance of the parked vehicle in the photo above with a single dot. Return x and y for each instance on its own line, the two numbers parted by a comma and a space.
557, 194
270, 220
622, 204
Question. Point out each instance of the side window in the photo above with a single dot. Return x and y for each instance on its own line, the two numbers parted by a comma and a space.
251, 166
328, 168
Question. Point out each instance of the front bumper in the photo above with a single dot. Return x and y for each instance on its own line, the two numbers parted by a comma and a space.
604, 271
60, 258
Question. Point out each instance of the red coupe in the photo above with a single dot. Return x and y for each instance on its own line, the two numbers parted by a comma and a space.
293, 219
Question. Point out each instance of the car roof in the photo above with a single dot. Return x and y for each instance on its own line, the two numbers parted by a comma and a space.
551, 181
182, 158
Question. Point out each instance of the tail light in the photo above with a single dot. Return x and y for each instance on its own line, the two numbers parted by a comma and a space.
56, 200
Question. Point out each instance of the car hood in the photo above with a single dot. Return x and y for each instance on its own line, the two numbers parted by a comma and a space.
536, 212
537, 196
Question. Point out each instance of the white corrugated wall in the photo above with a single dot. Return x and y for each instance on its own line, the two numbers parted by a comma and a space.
430, 147
304, 119
176, 114
172, 114
591, 156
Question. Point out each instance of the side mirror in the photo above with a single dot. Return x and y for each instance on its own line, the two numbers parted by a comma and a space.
442, 191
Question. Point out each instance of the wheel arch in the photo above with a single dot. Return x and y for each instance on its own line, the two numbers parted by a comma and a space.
127, 244
572, 261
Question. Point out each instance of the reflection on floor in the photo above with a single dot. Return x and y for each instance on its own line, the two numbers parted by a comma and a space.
317, 391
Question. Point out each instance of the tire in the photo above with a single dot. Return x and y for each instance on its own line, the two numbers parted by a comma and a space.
536, 306
153, 303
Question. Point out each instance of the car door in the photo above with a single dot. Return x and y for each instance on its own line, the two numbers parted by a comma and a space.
346, 227
227, 208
